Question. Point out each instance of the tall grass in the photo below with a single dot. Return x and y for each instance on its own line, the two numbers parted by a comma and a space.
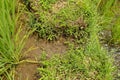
7, 29
11, 44
116, 32
110, 11
116, 23
94, 49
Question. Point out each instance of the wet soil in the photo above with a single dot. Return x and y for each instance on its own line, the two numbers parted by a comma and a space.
28, 71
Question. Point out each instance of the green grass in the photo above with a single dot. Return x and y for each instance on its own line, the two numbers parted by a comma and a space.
7, 29
11, 44
116, 24
53, 22
110, 12
90, 62
93, 64
116, 32
56, 22
78, 19
46, 4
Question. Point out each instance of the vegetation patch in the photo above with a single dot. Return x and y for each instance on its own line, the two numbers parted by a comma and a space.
63, 18
11, 44
54, 22
91, 62
78, 64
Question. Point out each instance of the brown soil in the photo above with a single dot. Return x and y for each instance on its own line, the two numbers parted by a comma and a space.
58, 5
28, 71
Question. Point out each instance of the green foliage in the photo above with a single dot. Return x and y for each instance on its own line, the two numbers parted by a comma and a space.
116, 32
11, 44
66, 20
116, 24
7, 27
46, 4
91, 62
110, 12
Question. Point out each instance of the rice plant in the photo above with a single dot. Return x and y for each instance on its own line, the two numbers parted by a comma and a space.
116, 23
11, 44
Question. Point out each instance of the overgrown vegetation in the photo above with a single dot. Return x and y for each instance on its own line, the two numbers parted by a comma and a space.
111, 19
81, 20
55, 18
89, 63
63, 18
116, 24
78, 64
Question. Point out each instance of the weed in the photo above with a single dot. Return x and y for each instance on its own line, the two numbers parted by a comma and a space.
89, 63
58, 18
46, 5
116, 24
110, 12
115, 32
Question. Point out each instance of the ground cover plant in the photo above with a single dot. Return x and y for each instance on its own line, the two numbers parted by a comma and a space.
112, 21
58, 18
116, 25
89, 63
56, 21
77, 65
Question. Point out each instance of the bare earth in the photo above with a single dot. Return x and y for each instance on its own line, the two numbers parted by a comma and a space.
28, 71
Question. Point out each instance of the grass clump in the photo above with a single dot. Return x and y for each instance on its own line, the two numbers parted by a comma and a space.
62, 18
109, 10
77, 64
11, 44
115, 32
116, 24
7, 29
46, 5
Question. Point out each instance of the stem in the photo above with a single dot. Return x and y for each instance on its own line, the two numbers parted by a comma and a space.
28, 61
